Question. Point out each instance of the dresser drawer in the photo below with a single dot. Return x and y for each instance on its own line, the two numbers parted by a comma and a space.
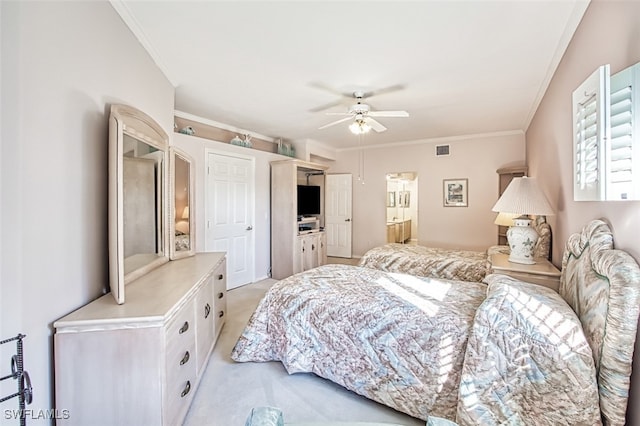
220, 296
180, 333
205, 312
180, 365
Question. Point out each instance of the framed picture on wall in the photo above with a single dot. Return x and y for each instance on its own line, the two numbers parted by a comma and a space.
404, 198
391, 199
456, 193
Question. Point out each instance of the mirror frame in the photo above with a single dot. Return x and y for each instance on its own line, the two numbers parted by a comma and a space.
136, 124
174, 153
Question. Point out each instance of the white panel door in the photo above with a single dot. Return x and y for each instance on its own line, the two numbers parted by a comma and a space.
229, 212
338, 224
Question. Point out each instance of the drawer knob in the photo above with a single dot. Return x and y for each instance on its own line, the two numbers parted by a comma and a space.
220, 295
207, 310
220, 314
184, 327
220, 276
186, 390
185, 358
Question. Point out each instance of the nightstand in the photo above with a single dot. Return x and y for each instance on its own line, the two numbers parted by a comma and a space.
542, 272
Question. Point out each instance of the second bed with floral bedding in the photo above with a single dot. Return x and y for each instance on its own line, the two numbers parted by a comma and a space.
451, 264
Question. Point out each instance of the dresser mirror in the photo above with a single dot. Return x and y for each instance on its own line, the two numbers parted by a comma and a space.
138, 207
181, 222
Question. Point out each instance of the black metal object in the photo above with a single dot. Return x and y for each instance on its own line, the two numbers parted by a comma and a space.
25, 392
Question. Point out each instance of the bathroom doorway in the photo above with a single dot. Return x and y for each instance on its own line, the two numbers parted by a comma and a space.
402, 207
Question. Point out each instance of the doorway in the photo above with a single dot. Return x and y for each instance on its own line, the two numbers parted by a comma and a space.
229, 213
402, 208
338, 218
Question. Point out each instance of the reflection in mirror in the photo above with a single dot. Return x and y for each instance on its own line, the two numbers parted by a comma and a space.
402, 224
137, 197
142, 206
391, 198
182, 228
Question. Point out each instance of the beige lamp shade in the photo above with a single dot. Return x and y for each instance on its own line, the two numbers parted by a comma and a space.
505, 219
185, 213
523, 196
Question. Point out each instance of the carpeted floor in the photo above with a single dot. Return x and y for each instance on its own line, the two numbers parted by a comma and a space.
229, 390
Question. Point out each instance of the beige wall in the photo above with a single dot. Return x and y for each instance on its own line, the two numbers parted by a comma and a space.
475, 158
63, 64
608, 34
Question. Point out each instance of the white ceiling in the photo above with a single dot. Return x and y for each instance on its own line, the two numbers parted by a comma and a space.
467, 67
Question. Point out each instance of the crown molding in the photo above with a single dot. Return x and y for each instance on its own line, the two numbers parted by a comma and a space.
134, 26
445, 139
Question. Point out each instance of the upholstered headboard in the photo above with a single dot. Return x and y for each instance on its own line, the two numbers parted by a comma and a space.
602, 285
543, 245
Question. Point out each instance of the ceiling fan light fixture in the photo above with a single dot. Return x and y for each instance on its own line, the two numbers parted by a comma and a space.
359, 127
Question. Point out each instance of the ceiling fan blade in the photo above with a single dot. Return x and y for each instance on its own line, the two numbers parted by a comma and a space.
374, 124
342, 120
329, 89
389, 89
326, 106
339, 113
388, 113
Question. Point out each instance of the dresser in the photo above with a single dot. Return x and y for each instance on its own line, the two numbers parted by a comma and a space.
141, 362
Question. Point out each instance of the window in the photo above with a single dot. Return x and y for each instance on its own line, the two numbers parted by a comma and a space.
589, 136
623, 156
606, 136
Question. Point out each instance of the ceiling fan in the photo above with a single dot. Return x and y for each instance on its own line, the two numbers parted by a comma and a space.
362, 115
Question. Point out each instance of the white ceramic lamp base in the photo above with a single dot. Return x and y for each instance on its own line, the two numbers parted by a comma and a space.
522, 240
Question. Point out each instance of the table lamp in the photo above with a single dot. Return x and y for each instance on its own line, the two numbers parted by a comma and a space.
522, 198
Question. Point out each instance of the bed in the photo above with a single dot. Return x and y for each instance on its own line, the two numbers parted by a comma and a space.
464, 265
500, 351
182, 241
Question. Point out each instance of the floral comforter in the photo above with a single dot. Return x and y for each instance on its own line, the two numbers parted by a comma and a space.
394, 338
450, 264
463, 351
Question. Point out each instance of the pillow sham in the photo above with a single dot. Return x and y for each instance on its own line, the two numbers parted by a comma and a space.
527, 360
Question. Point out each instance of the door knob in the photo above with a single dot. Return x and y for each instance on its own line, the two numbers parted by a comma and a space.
347, 220
249, 228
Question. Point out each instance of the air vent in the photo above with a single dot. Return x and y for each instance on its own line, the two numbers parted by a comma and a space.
442, 150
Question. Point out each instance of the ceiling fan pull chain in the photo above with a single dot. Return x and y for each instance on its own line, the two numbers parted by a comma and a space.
360, 159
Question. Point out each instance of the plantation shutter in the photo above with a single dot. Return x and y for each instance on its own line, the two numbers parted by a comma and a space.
590, 131
623, 159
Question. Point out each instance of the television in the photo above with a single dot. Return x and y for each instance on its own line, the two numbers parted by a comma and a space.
308, 200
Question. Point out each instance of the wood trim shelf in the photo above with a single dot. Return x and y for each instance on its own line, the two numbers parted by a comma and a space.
217, 134
221, 133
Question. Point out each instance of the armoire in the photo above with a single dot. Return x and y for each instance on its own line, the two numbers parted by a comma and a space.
298, 241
